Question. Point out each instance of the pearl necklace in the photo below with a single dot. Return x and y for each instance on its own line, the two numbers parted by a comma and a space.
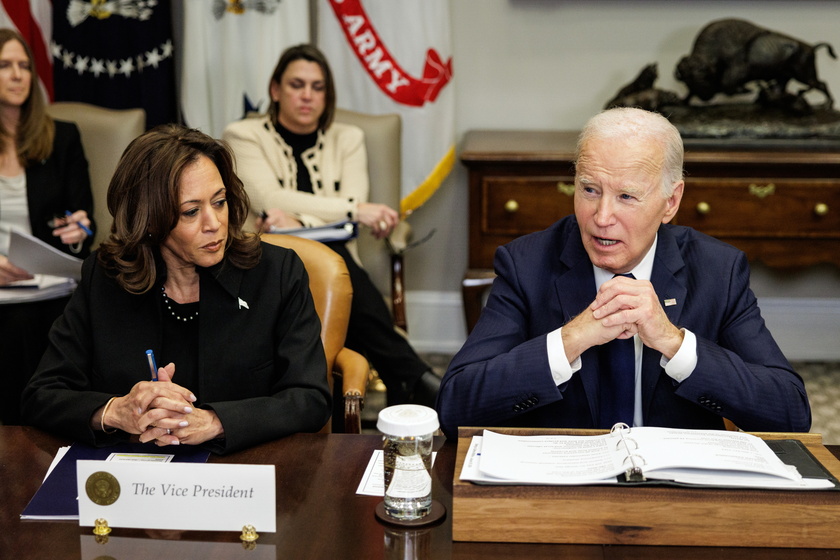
168, 303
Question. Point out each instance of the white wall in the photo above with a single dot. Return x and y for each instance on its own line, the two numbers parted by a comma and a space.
551, 64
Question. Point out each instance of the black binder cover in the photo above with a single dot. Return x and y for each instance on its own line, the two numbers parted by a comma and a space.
793, 452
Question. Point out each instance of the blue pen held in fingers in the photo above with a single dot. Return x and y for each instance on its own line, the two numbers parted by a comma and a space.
80, 224
150, 356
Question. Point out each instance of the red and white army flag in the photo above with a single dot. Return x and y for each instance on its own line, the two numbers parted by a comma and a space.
230, 49
394, 56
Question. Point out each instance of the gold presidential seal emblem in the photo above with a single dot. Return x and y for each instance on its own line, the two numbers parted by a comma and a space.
102, 488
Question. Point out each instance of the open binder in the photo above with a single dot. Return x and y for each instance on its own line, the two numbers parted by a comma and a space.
645, 455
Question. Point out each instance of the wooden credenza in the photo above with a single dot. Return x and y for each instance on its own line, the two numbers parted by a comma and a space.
780, 206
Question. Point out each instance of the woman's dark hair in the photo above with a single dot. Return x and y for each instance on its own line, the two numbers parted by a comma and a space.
35, 130
144, 199
312, 54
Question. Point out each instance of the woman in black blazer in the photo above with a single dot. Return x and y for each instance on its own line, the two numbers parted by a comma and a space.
43, 177
230, 319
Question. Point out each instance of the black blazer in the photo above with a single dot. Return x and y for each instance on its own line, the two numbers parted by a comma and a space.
59, 183
261, 364
501, 376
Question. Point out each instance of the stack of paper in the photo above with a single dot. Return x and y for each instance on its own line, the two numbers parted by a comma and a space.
55, 273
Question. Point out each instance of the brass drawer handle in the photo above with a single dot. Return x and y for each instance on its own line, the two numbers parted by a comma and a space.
762, 191
821, 209
566, 188
703, 208
511, 206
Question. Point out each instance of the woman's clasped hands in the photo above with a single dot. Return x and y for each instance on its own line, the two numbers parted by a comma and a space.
163, 412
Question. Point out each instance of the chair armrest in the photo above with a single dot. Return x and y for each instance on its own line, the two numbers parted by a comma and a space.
400, 237
397, 243
398, 292
354, 370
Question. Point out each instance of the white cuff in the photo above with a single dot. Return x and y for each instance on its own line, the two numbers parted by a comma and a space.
561, 369
684, 361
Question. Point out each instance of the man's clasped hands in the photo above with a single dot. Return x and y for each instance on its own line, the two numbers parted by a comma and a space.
623, 308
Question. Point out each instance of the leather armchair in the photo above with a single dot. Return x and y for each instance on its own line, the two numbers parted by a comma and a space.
105, 135
329, 283
383, 261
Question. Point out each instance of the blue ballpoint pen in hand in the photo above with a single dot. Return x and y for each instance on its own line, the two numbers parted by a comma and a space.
84, 228
150, 356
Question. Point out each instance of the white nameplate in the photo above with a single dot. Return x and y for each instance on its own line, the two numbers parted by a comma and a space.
180, 496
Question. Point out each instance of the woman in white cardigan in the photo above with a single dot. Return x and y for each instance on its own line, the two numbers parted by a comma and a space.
303, 170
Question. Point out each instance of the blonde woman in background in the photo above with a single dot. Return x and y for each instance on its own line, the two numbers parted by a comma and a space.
44, 191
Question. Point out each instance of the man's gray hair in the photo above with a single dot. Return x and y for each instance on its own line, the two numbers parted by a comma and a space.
646, 126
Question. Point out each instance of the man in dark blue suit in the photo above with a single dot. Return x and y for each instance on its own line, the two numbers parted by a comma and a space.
701, 352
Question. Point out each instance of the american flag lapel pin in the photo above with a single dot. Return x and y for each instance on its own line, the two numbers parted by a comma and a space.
669, 302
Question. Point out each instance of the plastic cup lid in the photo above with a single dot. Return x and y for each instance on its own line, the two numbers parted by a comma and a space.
405, 420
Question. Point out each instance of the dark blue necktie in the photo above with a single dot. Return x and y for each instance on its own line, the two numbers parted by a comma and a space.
618, 380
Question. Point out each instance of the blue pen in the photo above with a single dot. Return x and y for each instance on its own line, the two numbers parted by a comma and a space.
150, 356
80, 224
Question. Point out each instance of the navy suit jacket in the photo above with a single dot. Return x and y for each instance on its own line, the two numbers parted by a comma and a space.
501, 376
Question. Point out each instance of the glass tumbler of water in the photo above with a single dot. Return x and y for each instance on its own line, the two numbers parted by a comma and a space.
407, 453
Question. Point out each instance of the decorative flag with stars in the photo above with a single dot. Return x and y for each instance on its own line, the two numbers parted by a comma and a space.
33, 20
230, 50
395, 56
115, 54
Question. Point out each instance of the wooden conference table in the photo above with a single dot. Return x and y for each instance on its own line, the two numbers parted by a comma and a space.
319, 514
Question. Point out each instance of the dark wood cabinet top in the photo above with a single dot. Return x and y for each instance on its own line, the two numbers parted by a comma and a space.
740, 194
559, 145
519, 145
